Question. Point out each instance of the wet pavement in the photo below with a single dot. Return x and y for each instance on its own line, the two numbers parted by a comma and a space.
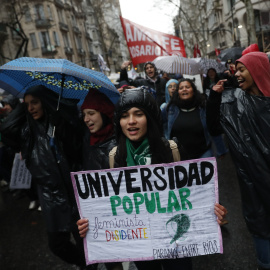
23, 242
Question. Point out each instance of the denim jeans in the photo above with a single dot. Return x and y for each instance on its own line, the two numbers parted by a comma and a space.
207, 154
262, 247
219, 145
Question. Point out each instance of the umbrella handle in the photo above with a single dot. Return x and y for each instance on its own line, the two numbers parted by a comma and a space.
61, 91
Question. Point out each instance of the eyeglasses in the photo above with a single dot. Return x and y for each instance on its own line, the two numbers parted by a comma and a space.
172, 86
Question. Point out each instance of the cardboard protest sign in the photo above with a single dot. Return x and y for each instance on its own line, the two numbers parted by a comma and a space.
20, 176
151, 212
146, 44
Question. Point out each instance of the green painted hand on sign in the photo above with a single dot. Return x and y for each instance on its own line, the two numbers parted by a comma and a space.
183, 223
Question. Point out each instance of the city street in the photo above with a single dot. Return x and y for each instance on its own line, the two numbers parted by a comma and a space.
23, 243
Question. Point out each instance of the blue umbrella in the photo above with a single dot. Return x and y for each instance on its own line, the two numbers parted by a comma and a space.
60, 75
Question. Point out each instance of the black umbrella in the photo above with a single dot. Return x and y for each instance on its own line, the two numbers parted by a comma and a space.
233, 53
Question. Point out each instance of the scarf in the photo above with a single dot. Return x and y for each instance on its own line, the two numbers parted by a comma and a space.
101, 135
140, 155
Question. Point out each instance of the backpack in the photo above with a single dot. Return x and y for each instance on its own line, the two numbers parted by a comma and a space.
173, 146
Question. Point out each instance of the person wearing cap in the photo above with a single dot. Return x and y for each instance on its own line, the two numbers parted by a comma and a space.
153, 81
138, 131
245, 118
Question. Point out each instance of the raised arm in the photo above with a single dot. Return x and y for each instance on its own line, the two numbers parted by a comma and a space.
213, 109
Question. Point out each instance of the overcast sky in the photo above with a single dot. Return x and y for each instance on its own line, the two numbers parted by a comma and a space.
144, 13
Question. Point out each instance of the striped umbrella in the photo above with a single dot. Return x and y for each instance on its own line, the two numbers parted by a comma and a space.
177, 64
205, 64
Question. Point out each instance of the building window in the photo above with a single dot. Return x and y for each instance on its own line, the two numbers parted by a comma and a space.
73, 21
230, 4
45, 40
66, 40
39, 12
78, 41
33, 40
89, 44
56, 39
27, 14
49, 13
60, 16
94, 34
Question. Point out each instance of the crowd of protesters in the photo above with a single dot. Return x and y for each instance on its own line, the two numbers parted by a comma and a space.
135, 131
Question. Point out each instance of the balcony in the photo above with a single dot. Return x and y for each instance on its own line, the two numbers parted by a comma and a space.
81, 51
49, 50
59, 3
76, 29
93, 56
80, 14
43, 23
63, 26
68, 50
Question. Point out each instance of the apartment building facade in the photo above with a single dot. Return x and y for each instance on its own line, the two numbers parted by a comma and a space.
66, 29
221, 24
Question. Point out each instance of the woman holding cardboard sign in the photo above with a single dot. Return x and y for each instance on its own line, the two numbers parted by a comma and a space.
140, 142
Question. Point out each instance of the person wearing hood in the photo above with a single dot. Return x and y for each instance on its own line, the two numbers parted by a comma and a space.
9, 103
244, 117
185, 118
138, 130
152, 81
171, 86
48, 141
7, 154
97, 111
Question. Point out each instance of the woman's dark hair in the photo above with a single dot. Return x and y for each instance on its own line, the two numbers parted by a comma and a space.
142, 99
63, 119
161, 153
198, 100
207, 81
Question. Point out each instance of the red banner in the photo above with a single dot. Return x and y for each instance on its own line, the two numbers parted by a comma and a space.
145, 44
196, 51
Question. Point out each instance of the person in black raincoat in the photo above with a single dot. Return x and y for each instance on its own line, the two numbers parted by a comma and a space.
50, 159
244, 116
7, 154
153, 81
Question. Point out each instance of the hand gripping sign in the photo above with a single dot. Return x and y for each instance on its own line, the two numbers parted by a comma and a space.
163, 211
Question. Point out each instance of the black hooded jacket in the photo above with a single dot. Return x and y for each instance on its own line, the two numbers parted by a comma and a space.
96, 157
50, 162
159, 85
245, 120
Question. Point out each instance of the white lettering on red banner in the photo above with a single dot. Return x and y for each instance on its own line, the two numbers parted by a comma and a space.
145, 44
